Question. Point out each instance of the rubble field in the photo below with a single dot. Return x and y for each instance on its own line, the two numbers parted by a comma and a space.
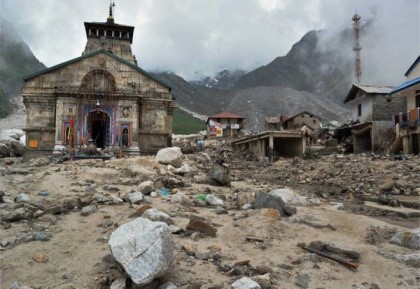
234, 221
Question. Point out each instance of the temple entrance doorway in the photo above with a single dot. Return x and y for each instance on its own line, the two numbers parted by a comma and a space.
98, 127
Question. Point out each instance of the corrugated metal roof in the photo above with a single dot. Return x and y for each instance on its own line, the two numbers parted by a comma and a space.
406, 85
375, 89
368, 89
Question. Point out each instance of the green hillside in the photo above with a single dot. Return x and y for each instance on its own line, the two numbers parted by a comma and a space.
185, 123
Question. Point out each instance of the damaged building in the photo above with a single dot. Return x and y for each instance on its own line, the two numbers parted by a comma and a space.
372, 117
407, 129
102, 96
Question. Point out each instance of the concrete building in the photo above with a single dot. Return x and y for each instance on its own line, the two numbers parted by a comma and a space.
408, 121
302, 119
372, 116
102, 95
272, 144
224, 124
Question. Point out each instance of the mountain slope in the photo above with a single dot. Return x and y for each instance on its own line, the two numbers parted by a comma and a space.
314, 64
258, 102
16, 61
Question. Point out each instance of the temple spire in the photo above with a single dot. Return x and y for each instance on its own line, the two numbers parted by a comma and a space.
111, 10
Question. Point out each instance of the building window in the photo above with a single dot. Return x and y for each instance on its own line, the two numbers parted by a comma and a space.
359, 109
388, 100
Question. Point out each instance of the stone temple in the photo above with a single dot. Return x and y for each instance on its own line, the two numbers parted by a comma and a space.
102, 95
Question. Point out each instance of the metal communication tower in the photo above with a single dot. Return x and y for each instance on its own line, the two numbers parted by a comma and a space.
357, 64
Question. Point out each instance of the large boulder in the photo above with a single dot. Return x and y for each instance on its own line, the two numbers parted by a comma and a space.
146, 187
144, 249
408, 239
17, 147
281, 200
4, 150
170, 156
220, 175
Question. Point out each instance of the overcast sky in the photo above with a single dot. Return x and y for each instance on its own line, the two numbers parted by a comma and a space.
200, 37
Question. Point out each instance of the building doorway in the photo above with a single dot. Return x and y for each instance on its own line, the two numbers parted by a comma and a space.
98, 127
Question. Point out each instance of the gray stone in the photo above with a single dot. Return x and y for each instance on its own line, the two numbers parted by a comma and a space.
154, 194
289, 197
263, 280
86, 211
157, 216
146, 187
17, 147
42, 236
220, 175
212, 200
135, 198
175, 229
167, 285
118, 284
245, 283
407, 239
303, 280
4, 150
170, 156
266, 200
180, 198
16, 215
185, 169
290, 210
22, 198
100, 198
144, 249
244, 198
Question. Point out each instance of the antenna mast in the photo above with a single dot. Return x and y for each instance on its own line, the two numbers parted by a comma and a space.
357, 64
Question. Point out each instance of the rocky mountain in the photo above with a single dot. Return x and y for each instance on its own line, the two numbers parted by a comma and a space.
253, 103
224, 79
319, 64
16, 61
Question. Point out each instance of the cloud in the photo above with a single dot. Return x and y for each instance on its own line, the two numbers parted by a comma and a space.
200, 37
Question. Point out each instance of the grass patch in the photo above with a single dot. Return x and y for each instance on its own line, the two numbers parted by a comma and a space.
185, 123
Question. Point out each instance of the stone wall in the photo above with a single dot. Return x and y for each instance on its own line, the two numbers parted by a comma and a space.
384, 107
139, 101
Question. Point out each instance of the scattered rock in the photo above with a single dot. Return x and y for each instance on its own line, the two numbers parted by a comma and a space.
270, 213
146, 187
157, 216
201, 226
135, 198
190, 249
86, 211
408, 239
144, 249
266, 200
220, 175
303, 280
263, 280
180, 198
170, 156
245, 283
119, 283
243, 199
212, 200
22, 198
15, 216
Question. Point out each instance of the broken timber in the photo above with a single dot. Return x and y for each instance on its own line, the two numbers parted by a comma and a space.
332, 257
